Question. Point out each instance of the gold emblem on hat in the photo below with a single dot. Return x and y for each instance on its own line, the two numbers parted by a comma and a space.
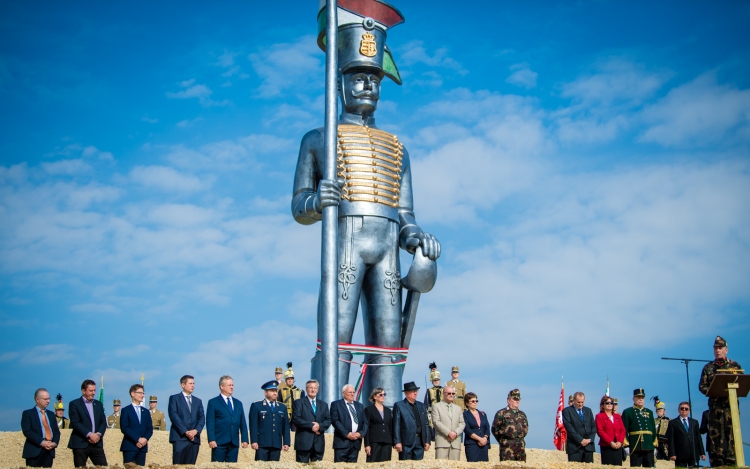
367, 46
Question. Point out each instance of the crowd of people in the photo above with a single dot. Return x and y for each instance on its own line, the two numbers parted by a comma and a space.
447, 418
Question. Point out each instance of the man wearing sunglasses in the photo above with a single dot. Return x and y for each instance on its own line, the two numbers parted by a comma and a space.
448, 420
684, 439
510, 428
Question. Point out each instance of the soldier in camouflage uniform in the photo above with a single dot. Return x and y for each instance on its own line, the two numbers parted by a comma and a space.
720, 435
640, 430
62, 422
662, 423
158, 420
113, 421
289, 392
510, 428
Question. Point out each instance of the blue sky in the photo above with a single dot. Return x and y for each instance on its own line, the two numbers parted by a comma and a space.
585, 167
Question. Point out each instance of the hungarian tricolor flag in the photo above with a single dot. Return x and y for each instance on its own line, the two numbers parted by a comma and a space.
560, 434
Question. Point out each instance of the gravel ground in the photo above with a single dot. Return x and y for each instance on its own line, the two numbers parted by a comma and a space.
160, 453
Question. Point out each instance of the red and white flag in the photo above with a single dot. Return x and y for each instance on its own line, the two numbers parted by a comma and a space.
560, 434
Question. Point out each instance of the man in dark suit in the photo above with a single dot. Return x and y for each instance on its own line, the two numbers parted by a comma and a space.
188, 419
41, 431
88, 422
350, 426
136, 427
311, 417
411, 428
269, 425
684, 439
225, 423
581, 427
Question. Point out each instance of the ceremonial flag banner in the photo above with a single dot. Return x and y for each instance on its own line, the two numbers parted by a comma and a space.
560, 434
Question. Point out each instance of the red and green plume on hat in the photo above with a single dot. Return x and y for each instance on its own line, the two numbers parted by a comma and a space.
354, 11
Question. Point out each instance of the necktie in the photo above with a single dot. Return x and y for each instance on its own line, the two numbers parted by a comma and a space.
47, 429
190, 403
354, 413
229, 404
137, 410
580, 414
273, 406
315, 408
684, 422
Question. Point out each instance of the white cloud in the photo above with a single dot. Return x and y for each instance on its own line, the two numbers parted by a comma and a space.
167, 179
288, 67
701, 112
41, 355
95, 308
198, 91
522, 76
66, 167
414, 52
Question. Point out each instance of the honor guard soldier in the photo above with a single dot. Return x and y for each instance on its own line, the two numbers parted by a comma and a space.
460, 387
269, 425
433, 394
510, 427
640, 431
277, 374
720, 435
62, 422
570, 400
662, 424
157, 416
113, 421
289, 392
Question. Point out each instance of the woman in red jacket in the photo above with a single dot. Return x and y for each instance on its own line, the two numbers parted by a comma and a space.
611, 432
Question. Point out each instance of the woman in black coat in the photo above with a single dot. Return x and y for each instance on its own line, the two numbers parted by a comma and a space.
476, 431
378, 439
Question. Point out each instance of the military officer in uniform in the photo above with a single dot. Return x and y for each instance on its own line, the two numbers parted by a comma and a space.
289, 393
278, 376
157, 416
62, 422
460, 387
662, 424
640, 431
510, 427
269, 425
113, 421
720, 435
570, 400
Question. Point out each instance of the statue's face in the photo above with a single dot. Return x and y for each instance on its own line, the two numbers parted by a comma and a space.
361, 91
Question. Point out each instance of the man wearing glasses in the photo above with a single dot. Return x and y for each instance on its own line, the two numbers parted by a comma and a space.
510, 427
448, 421
137, 429
684, 439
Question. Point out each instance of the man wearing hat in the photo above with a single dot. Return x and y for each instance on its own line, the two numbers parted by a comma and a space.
433, 395
411, 429
662, 424
373, 192
459, 386
350, 426
278, 375
289, 393
269, 425
640, 430
62, 422
157, 416
581, 427
720, 435
510, 427
113, 421
570, 400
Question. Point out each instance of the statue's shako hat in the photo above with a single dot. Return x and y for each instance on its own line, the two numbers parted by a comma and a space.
361, 35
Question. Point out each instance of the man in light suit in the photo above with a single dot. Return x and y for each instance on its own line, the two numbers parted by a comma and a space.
350, 426
581, 427
136, 427
88, 422
225, 423
311, 417
188, 419
448, 421
269, 425
411, 428
684, 439
41, 431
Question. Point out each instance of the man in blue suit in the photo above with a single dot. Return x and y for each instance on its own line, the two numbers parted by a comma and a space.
225, 423
41, 431
350, 426
581, 427
269, 425
88, 422
187, 417
411, 429
136, 427
311, 417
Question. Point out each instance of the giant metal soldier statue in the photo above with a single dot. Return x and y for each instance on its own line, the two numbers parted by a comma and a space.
373, 192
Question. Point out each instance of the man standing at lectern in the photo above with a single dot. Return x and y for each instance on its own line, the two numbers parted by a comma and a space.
720, 434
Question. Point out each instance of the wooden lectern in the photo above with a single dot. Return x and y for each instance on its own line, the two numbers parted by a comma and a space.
727, 383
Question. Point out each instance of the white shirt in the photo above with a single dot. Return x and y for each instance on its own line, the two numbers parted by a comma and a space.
355, 425
228, 397
137, 408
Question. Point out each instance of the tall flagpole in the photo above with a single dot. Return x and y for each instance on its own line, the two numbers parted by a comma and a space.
328, 320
